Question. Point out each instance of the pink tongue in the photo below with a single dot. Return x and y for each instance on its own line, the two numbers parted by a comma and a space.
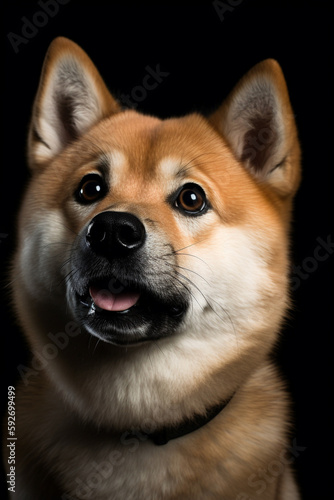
111, 301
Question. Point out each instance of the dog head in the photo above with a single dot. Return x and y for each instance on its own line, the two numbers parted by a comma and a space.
165, 233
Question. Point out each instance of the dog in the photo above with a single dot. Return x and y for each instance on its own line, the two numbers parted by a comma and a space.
151, 279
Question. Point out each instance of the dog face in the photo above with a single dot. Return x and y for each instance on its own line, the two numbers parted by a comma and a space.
158, 234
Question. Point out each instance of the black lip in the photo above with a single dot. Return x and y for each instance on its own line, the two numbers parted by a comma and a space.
152, 317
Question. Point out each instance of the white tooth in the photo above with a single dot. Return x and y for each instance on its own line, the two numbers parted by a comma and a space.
92, 310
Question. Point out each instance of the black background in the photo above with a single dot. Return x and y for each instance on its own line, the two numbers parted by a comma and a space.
204, 56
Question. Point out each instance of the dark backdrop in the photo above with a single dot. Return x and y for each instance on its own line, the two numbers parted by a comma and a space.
205, 52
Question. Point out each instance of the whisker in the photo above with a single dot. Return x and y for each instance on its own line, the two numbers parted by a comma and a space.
178, 252
171, 275
192, 284
229, 317
190, 271
65, 279
184, 248
196, 257
208, 303
96, 344
65, 263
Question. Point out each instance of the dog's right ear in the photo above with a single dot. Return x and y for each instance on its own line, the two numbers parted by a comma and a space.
71, 98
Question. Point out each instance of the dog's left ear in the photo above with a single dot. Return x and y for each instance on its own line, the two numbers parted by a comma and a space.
258, 122
71, 98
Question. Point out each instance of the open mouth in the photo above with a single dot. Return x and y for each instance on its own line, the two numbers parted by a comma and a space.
128, 314
107, 300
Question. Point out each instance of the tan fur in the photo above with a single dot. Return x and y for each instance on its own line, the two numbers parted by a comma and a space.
75, 409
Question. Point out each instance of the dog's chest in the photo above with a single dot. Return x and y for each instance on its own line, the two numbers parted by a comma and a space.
132, 467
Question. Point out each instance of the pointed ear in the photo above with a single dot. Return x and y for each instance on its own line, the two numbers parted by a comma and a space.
257, 121
71, 98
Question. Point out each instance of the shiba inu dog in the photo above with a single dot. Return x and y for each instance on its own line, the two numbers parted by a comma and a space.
151, 281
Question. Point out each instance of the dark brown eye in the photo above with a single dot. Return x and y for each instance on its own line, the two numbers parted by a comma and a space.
91, 188
191, 199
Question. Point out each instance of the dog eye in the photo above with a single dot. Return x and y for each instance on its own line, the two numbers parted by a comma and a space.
91, 188
191, 199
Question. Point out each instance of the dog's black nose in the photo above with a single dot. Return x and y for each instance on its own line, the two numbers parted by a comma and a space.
115, 233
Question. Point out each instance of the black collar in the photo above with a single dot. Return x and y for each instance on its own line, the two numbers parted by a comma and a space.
187, 426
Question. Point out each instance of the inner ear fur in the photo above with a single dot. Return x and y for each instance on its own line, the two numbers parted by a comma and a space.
258, 123
70, 99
